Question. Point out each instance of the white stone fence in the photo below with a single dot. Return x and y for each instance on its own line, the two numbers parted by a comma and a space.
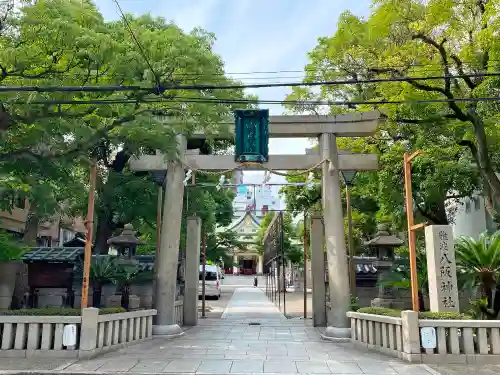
32, 336
457, 341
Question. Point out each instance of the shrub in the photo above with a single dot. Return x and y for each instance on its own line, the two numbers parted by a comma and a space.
354, 303
380, 311
57, 311
443, 316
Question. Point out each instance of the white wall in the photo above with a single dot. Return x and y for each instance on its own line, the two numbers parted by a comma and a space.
469, 217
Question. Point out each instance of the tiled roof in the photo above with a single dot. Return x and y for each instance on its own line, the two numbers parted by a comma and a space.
54, 254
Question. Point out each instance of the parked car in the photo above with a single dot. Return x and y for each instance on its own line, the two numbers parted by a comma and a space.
212, 281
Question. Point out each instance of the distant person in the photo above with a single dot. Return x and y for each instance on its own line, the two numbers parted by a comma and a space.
255, 282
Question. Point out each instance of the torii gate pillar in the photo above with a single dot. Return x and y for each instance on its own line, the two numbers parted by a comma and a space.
166, 264
338, 279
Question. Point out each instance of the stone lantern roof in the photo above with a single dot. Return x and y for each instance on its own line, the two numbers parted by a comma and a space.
126, 238
384, 239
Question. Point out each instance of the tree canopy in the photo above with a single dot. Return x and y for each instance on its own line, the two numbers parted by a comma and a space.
452, 41
48, 136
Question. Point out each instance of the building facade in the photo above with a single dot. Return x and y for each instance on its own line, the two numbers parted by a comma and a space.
469, 217
247, 261
51, 233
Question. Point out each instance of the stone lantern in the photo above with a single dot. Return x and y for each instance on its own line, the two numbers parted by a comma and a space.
126, 242
383, 244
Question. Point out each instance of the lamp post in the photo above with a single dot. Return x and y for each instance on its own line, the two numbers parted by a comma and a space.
348, 177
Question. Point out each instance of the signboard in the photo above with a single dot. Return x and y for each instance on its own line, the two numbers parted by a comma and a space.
242, 190
252, 135
428, 337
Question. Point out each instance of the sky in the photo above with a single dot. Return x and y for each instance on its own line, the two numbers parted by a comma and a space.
254, 36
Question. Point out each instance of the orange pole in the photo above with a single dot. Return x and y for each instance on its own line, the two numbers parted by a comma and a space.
88, 241
305, 265
411, 233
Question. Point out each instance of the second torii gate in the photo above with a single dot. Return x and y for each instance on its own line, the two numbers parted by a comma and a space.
331, 161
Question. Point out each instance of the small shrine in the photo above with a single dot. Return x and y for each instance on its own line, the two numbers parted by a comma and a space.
383, 245
126, 242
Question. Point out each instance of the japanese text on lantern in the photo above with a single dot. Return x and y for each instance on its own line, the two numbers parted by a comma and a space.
446, 269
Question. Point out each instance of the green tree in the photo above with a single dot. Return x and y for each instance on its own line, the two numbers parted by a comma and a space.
480, 261
220, 246
415, 38
68, 43
292, 250
308, 199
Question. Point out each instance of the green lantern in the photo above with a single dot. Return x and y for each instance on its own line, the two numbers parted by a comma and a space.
252, 135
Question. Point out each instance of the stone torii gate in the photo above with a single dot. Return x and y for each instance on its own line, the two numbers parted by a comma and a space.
326, 129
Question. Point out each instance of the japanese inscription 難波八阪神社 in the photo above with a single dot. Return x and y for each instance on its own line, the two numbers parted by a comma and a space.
446, 270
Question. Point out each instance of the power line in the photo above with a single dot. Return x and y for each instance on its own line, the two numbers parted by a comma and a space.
201, 87
141, 50
251, 101
438, 67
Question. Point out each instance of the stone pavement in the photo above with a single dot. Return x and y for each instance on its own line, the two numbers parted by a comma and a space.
253, 337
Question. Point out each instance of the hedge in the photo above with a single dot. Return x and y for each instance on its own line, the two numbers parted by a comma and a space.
429, 315
380, 311
57, 311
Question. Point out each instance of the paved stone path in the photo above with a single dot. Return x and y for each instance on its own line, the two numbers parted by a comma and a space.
253, 337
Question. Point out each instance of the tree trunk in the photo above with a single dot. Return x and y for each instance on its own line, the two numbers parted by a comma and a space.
105, 228
31, 226
96, 295
421, 301
21, 288
489, 177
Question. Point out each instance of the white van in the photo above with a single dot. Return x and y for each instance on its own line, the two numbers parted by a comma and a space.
212, 281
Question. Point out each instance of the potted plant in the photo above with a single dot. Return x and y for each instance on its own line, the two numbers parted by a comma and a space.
102, 271
11, 253
125, 275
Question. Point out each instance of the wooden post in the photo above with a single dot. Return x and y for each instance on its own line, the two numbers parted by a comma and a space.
411, 229
88, 241
305, 265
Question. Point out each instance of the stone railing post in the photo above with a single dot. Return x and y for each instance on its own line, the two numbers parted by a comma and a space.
88, 332
411, 335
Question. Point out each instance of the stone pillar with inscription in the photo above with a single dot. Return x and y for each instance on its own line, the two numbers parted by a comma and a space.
442, 270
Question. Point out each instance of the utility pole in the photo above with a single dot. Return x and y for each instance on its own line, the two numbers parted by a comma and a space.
305, 265
411, 229
88, 241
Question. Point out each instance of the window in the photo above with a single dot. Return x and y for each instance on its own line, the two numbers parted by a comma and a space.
209, 276
467, 206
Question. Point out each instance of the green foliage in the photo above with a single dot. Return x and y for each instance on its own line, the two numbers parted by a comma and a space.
354, 303
220, 246
380, 311
430, 315
364, 208
57, 311
479, 310
479, 260
399, 274
292, 251
45, 148
10, 249
103, 270
125, 274
412, 38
